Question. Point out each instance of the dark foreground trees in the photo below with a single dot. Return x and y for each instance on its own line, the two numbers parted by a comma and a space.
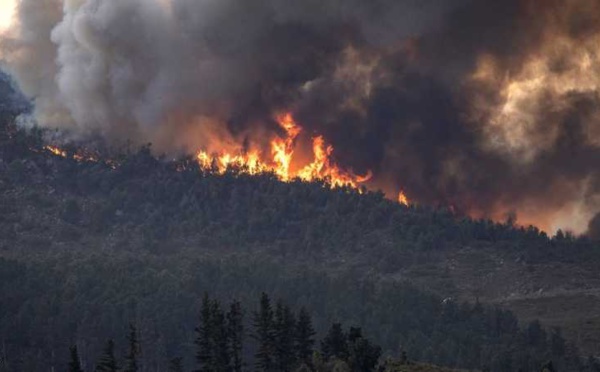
283, 341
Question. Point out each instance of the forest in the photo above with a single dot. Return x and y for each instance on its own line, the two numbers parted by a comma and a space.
90, 245
283, 340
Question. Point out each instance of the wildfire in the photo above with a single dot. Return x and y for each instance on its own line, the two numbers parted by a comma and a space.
80, 155
402, 198
56, 151
249, 163
282, 162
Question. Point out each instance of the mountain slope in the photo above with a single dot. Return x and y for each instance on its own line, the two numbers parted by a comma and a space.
145, 239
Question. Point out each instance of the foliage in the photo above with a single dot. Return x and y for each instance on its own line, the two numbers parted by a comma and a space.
86, 246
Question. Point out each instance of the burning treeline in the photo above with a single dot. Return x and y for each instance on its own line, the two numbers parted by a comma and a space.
280, 162
492, 107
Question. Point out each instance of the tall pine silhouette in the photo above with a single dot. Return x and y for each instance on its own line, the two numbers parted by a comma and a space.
203, 340
235, 332
264, 335
108, 362
284, 334
304, 338
218, 337
74, 363
334, 345
212, 338
131, 361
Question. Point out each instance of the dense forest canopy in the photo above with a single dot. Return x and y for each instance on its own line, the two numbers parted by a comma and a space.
90, 246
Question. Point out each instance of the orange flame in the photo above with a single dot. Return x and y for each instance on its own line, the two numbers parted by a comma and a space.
56, 151
282, 160
403, 199
281, 163
80, 155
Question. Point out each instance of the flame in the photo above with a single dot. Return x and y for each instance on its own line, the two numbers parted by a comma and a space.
80, 155
283, 149
402, 198
249, 163
56, 151
282, 162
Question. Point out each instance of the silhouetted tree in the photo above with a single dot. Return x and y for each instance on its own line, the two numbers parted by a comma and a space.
264, 335
362, 354
203, 339
235, 332
131, 362
74, 363
334, 345
108, 362
218, 339
284, 327
304, 341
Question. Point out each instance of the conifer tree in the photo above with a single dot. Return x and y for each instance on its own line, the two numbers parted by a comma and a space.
304, 341
218, 338
75, 363
108, 362
334, 345
235, 335
362, 354
131, 362
203, 339
264, 335
284, 332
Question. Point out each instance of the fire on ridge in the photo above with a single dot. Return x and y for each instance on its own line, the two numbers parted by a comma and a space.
280, 163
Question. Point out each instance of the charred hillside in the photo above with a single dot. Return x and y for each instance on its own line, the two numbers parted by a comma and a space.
87, 245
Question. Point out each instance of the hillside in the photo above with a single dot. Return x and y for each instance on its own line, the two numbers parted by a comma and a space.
144, 240
90, 242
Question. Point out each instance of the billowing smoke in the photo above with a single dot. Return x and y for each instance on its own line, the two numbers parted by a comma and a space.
490, 106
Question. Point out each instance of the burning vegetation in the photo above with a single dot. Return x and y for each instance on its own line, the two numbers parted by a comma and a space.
490, 107
281, 163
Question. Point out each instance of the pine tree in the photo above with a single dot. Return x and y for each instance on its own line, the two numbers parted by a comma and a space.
203, 339
108, 362
334, 345
362, 355
235, 335
75, 363
131, 363
284, 332
219, 341
264, 335
304, 341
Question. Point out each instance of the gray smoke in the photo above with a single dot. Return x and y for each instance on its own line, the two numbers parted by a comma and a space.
434, 96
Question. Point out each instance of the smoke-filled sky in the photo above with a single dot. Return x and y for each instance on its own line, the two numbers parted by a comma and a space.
490, 106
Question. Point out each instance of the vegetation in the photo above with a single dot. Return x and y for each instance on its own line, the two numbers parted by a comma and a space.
86, 247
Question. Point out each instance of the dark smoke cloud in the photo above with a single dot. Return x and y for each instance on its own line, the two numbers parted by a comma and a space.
437, 97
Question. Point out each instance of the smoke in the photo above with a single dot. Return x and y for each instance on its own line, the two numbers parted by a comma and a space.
491, 107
